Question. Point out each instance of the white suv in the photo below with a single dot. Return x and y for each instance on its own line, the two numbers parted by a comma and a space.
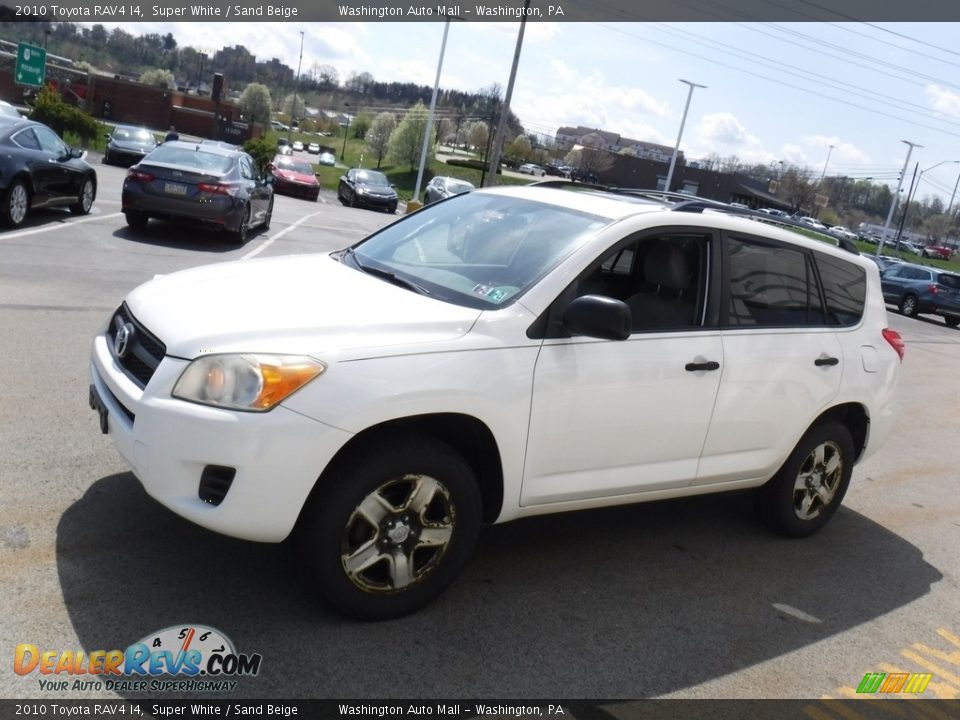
500, 354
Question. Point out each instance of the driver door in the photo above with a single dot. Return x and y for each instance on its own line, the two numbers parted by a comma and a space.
617, 417
59, 178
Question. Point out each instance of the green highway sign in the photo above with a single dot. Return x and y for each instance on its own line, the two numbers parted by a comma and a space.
31, 65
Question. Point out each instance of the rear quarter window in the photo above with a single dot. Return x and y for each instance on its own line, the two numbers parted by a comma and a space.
950, 281
844, 289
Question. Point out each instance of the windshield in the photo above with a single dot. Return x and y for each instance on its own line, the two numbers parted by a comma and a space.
133, 134
372, 178
481, 251
288, 163
458, 186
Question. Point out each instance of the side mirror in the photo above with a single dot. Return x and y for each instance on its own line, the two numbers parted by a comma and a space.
393, 186
268, 179
598, 316
77, 153
107, 135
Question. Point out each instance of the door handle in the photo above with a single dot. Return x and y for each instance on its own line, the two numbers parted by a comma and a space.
696, 366
821, 361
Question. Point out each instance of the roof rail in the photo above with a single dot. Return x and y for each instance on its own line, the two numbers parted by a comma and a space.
683, 202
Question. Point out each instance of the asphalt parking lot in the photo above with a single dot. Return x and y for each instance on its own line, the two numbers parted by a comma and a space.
684, 598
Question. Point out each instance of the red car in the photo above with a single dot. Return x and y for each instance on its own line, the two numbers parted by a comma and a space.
935, 251
293, 176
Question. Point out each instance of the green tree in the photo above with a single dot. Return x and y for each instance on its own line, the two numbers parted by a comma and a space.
50, 109
478, 134
255, 103
519, 150
158, 77
406, 140
360, 125
378, 136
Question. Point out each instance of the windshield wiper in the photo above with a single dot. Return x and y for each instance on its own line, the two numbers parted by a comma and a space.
385, 274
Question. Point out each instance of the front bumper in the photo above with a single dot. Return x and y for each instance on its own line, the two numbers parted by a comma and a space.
277, 455
376, 201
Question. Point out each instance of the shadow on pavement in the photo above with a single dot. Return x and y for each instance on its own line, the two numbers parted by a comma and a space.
183, 236
627, 602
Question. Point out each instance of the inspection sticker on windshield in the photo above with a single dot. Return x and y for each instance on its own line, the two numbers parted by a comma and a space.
493, 294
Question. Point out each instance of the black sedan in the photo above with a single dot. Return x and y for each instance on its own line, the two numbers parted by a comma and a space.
443, 187
368, 188
217, 187
127, 145
37, 169
292, 176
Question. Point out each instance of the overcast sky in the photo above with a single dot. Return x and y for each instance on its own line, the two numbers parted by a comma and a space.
775, 91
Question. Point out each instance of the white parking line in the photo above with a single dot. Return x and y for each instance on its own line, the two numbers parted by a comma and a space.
58, 226
274, 238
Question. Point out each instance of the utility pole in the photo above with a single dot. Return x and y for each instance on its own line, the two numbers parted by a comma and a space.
906, 207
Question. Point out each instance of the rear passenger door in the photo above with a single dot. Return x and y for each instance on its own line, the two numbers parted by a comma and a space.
782, 360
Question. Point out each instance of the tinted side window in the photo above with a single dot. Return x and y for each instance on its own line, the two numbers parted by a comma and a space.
844, 287
246, 168
26, 139
49, 141
770, 286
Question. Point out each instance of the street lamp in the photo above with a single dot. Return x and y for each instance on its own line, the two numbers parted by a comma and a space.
676, 149
896, 195
345, 131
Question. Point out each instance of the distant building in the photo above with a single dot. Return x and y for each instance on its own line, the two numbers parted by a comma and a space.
568, 137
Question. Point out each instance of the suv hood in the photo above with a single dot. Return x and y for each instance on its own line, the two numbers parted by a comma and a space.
306, 304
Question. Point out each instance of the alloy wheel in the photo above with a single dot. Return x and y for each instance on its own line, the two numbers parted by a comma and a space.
818, 480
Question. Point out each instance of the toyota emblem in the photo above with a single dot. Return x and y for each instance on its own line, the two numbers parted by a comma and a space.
121, 343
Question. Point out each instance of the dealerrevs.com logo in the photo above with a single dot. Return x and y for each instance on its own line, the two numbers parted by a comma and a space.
199, 658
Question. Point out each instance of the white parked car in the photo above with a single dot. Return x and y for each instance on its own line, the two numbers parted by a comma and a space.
839, 231
531, 169
297, 146
812, 223
505, 353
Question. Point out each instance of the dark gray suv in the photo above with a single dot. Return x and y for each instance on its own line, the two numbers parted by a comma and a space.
917, 289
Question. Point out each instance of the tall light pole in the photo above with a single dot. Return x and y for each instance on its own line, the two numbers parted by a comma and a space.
296, 85
433, 104
954, 195
676, 149
346, 131
494, 159
824, 173
896, 195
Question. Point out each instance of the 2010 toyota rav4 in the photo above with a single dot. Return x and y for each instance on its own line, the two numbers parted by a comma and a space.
499, 354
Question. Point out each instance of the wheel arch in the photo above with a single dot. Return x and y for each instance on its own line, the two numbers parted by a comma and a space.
855, 418
466, 434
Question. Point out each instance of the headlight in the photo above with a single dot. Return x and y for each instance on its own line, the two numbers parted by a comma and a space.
361, 190
245, 382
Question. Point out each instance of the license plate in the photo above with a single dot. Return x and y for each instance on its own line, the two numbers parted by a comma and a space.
97, 404
175, 188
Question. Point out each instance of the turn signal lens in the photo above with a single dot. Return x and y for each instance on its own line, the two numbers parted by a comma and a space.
245, 382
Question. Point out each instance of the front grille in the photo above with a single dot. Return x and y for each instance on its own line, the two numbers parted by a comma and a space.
142, 352
215, 481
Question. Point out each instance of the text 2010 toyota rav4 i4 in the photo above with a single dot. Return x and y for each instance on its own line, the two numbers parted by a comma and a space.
499, 354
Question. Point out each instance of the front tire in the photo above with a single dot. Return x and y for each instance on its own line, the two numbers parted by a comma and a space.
388, 530
15, 205
88, 192
809, 487
952, 321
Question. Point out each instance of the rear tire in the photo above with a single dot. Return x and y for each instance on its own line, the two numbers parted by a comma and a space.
240, 235
808, 489
390, 527
16, 203
909, 305
952, 321
136, 219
